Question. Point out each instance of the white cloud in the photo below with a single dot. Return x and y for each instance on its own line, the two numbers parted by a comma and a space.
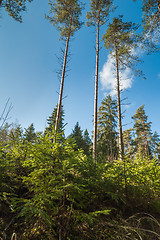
108, 77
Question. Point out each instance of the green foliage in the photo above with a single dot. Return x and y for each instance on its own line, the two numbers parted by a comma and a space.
121, 40
155, 145
151, 23
4, 131
54, 191
128, 142
99, 10
82, 141
142, 130
13, 153
30, 135
14, 8
52, 120
87, 142
122, 37
107, 123
16, 134
62, 187
142, 181
64, 15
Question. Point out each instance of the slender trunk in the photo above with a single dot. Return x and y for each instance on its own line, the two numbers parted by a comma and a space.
96, 93
121, 147
121, 150
111, 149
145, 141
61, 89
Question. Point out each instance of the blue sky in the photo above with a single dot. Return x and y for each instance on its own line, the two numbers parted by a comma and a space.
28, 65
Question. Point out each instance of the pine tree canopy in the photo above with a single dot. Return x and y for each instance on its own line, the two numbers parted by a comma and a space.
151, 25
122, 36
64, 15
14, 7
99, 10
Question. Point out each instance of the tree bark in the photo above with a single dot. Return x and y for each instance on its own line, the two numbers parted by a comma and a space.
145, 141
96, 92
61, 88
120, 136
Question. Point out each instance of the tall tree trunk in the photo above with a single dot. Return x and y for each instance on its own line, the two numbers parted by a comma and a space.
61, 88
145, 141
96, 92
120, 136
111, 149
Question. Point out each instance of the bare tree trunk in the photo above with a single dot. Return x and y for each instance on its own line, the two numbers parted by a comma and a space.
61, 89
111, 149
120, 136
4, 116
96, 92
145, 141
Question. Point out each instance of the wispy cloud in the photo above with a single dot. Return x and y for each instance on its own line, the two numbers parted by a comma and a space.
108, 77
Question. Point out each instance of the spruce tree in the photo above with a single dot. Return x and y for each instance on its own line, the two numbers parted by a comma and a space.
81, 140
77, 135
97, 16
142, 130
120, 38
64, 15
87, 142
51, 121
107, 134
30, 135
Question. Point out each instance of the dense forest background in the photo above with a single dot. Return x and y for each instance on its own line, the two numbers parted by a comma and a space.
103, 185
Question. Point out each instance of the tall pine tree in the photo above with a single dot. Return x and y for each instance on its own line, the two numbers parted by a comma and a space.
120, 38
97, 16
64, 15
